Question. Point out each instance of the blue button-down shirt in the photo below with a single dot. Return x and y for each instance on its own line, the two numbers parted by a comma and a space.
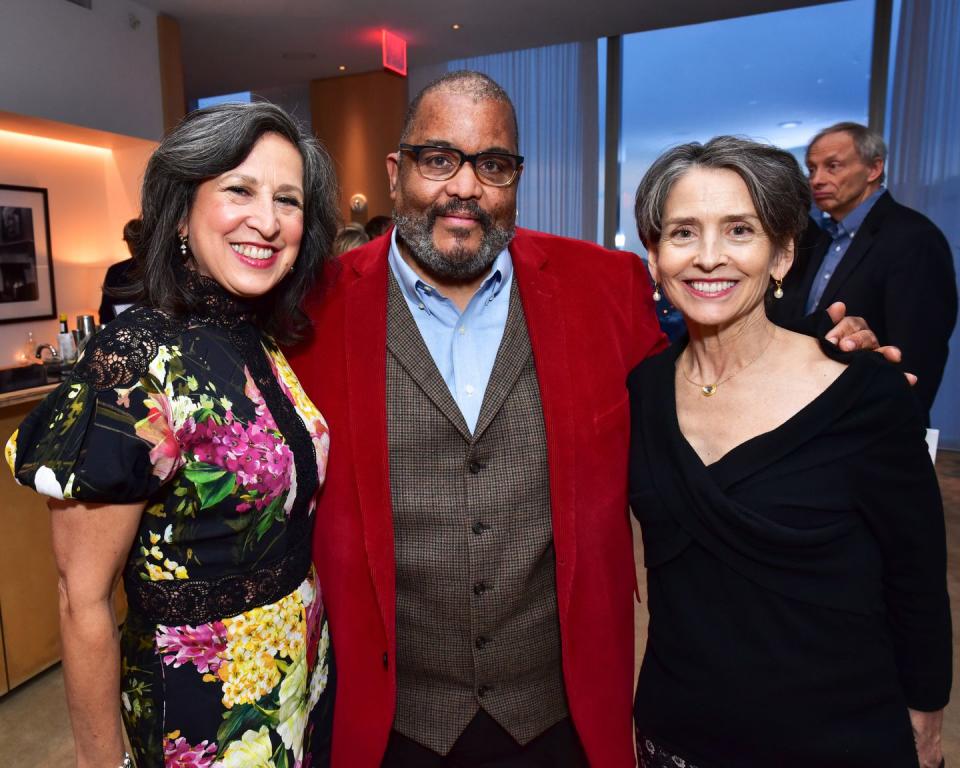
841, 235
463, 345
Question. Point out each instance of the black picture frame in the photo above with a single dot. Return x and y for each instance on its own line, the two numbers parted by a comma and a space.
26, 256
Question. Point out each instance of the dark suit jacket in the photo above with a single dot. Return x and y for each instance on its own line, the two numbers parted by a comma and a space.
898, 274
118, 276
590, 319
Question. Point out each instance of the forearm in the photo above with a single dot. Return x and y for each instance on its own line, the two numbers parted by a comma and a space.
927, 730
91, 665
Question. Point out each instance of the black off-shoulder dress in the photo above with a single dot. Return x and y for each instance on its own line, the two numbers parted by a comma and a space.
797, 586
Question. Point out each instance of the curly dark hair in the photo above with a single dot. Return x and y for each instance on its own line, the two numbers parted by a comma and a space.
205, 144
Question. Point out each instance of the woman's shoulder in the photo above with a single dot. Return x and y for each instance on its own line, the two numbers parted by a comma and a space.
122, 351
874, 378
808, 358
875, 398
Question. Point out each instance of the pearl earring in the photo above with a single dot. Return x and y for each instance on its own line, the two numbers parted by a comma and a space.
183, 246
656, 291
778, 293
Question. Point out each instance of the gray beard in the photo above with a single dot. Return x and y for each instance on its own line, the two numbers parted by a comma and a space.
461, 264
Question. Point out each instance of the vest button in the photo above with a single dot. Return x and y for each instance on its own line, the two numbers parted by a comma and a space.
476, 466
479, 588
479, 527
480, 642
483, 690
385, 660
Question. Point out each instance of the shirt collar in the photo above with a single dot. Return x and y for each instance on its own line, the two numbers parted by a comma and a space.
852, 221
413, 286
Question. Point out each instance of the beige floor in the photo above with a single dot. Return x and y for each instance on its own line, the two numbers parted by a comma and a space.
35, 732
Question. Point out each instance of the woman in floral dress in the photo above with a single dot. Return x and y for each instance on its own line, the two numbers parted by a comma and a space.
182, 454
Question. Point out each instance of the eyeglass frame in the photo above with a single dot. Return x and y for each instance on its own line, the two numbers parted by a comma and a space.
416, 149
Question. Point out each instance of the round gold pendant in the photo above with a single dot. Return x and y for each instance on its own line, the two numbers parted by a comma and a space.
709, 390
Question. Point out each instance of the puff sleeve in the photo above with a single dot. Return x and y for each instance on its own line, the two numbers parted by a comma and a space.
99, 441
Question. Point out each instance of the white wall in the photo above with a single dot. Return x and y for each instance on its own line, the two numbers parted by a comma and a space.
295, 99
85, 67
91, 192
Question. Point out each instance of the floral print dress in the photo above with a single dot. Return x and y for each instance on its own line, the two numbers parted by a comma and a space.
226, 657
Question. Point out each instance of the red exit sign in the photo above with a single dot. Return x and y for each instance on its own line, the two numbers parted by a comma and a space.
394, 53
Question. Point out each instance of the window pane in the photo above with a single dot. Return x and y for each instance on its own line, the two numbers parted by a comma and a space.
777, 77
243, 97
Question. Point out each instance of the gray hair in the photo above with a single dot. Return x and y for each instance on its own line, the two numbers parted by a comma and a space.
466, 82
350, 236
778, 188
205, 144
869, 144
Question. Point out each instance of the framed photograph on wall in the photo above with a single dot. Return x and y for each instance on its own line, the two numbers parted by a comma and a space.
26, 262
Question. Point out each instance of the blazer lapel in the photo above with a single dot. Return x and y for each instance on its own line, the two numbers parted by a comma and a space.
546, 326
862, 240
512, 356
409, 349
366, 353
820, 244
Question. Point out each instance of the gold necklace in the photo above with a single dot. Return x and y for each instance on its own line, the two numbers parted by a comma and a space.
709, 390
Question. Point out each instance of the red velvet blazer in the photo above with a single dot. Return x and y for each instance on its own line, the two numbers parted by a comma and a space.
590, 318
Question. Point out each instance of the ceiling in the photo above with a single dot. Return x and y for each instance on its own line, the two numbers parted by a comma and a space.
241, 45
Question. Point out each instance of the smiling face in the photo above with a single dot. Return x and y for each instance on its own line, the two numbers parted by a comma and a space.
714, 261
244, 226
839, 179
454, 229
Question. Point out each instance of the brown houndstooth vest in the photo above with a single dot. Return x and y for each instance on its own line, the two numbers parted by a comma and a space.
477, 621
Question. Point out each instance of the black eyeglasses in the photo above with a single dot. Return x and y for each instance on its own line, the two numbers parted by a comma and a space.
497, 169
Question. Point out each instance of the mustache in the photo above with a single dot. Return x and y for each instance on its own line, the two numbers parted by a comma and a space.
470, 208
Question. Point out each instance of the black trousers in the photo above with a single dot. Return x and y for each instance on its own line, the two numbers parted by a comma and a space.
484, 744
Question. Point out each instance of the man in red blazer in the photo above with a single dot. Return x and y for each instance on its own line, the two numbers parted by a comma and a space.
590, 319
589, 316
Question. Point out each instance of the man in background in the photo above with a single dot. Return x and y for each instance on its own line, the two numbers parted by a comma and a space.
378, 225
112, 302
886, 262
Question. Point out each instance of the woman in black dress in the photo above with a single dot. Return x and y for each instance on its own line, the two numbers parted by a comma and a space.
792, 524
182, 454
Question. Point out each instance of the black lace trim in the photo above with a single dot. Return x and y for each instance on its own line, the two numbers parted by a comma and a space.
120, 354
654, 755
217, 306
199, 601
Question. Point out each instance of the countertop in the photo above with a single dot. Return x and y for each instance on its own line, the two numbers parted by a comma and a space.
25, 395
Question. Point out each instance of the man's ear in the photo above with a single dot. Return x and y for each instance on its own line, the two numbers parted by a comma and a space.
876, 170
393, 173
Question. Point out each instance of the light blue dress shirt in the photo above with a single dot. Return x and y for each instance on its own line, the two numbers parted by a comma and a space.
463, 345
841, 234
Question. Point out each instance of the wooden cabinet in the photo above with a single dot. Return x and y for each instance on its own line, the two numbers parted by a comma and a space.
3, 667
29, 612
29, 620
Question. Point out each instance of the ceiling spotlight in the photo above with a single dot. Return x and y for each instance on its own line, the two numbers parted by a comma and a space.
790, 123
342, 67
454, 27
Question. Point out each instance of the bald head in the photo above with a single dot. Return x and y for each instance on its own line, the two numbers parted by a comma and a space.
474, 85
